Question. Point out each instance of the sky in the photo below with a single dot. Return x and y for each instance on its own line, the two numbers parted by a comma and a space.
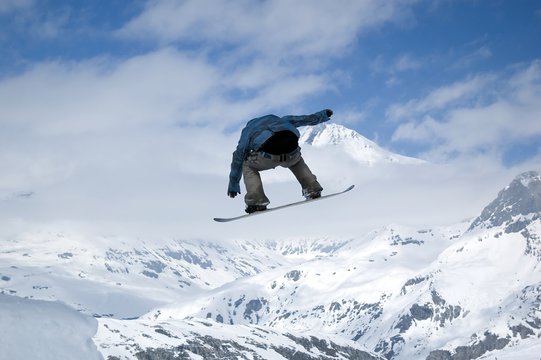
112, 97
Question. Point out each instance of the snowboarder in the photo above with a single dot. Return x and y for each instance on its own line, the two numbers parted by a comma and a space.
265, 143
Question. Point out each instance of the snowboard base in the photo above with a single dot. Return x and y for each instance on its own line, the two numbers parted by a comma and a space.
301, 202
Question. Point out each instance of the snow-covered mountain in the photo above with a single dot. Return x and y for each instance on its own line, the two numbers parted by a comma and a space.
466, 291
516, 206
460, 292
352, 143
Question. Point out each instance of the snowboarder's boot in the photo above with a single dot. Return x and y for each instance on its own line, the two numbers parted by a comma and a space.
311, 195
253, 208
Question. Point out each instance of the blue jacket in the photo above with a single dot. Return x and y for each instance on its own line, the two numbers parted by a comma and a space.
259, 130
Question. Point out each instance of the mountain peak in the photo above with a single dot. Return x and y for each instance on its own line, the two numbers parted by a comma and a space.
330, 134
353, 143
529, 178
516, 206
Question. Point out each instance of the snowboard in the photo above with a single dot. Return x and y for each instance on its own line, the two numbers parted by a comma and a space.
283, 206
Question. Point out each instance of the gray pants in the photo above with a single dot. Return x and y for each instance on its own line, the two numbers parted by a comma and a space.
256, 162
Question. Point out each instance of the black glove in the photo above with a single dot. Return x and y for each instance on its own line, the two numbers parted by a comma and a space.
232, 194
329, 112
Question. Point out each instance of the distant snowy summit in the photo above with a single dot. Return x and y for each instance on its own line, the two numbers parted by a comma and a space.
352, 143
517, 205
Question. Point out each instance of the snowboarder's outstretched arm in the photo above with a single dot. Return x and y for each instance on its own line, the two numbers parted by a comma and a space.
305, 120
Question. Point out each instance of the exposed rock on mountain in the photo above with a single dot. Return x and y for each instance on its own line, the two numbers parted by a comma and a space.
516, 206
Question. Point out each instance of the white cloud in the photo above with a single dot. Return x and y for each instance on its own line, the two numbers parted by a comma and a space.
351, 116
477, 55
393, 68
169, 87
482, 114
406, 62
422, 131
30, 19
7, 6
101, 94
401, 63
441, 98
275, 28
161, 88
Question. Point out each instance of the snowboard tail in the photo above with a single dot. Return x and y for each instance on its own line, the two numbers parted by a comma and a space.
301, 202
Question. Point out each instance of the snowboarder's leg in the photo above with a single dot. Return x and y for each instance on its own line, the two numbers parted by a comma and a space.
255, 195
310, 186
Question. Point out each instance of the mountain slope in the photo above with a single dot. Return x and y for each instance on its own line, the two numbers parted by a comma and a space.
516, 206
404, 293
33, 329
201, 339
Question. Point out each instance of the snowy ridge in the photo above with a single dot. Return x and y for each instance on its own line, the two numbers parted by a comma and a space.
352, 143
51, 329
115, 270
201, 339
516, 206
